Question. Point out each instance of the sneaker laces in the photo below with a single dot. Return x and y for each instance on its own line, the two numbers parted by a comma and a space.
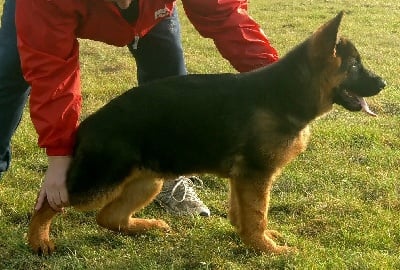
187, 185
178, 196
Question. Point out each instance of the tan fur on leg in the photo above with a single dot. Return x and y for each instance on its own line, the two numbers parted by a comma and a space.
39, 229
250, 213
139, 190
233, 205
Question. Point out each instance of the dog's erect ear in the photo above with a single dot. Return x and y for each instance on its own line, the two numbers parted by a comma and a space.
323, 41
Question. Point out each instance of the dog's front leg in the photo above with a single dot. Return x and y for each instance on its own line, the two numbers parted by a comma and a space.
39, 230
249, 200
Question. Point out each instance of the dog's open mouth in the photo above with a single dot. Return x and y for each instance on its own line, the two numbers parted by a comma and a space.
352, 101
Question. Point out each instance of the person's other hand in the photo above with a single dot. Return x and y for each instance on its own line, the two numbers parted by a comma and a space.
54, 184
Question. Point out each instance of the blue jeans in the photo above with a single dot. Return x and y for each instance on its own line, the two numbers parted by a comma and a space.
159, 54
13, 88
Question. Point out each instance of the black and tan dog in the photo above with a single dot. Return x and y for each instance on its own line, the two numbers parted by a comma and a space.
244, 127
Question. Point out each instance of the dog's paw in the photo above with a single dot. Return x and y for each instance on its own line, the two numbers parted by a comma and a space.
264, 243
273, 234
162, 225
283, 250
143, 225
42, 247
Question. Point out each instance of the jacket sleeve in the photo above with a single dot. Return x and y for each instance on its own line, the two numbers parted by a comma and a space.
50, 64
237, 36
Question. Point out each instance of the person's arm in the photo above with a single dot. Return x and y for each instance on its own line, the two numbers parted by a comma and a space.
237, 36
49, 59
49, 56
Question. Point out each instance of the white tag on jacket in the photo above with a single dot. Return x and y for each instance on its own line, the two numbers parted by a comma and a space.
161, 13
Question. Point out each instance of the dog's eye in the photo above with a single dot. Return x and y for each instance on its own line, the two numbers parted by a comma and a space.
354, 67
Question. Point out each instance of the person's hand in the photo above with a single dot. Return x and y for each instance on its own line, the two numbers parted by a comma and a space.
54, 184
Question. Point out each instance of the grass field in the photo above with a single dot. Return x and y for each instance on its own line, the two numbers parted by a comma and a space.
338, 203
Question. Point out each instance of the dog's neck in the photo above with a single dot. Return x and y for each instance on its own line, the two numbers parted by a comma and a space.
286, 88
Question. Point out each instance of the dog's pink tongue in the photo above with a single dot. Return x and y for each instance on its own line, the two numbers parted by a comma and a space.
365, 107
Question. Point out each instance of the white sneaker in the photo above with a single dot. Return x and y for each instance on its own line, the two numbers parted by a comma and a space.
179, 197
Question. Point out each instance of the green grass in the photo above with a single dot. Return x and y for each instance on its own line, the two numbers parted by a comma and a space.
339, 202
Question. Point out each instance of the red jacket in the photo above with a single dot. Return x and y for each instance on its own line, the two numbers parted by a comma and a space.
47, 32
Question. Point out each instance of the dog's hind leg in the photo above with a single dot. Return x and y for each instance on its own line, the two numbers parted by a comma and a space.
39, 230
233, 206
138, 191
248, 213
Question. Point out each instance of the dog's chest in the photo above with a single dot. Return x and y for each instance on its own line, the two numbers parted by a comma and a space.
280, 148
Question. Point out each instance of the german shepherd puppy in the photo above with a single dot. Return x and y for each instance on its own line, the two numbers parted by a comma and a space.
244, 127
